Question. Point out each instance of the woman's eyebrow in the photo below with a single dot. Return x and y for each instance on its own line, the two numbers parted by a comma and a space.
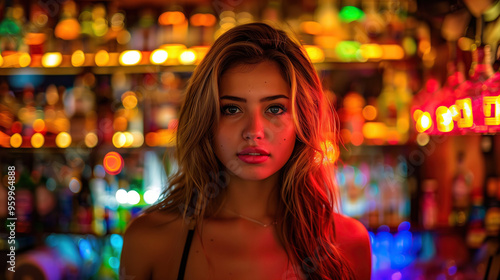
267, 98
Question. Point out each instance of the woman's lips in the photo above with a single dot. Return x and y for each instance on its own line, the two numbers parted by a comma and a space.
253, 155
253, 159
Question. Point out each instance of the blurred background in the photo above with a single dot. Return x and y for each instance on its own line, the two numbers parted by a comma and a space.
90, 93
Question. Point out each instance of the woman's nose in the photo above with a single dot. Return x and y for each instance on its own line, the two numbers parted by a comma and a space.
254, 128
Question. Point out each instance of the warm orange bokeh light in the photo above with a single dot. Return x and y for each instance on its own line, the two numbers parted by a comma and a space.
113, 163
68, 29
203, 20
63, 140
38, 125
102, 58
174, 17
16, 140
424, 122
369, 112
444, 119
37, 140
311, 27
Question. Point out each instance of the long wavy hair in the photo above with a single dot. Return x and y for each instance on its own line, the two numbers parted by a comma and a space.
308, 197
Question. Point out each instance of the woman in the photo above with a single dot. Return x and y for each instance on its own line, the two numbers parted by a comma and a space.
253, 197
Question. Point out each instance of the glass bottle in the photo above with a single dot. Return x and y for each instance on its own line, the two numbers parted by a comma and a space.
461, 189
446, 111
491, 104
470, 94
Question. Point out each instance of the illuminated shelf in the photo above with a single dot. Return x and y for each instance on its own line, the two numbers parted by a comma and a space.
96, 70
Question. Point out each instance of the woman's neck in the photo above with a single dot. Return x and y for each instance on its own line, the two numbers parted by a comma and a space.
254, 199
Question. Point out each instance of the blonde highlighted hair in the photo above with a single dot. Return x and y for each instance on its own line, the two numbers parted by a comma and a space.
308, 196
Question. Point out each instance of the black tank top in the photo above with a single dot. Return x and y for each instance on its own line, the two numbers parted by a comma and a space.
185, 254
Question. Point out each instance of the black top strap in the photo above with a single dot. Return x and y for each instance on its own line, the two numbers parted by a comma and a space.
185, 253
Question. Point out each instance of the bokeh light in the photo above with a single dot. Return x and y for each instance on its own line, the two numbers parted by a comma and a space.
121, 196
75, 185
16, 140
129, 102
78, 58
171, 18
119, 139
158, 56
91, 139
37, 140
102, 58
133, 197
130, 57
315, 53
63, 140
187, 57
369, 112
38, 125
129, 139
424, 122
151, 196
24, 60
423, 139
51, 59
113, 163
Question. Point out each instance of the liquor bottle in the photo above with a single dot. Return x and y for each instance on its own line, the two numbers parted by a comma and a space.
470, 101
45, 201
9, 107
446, 107
87, 32
373, 201
491, 187
429, 206
272, 12
492, 216
65, 209
405, 96
84, 207
24, 202
461, 189
425, 103
475, 226
118, 35
395, 100
11, 28
374, 24
68, 28
351, 117
36, 30
27, 114
394, 17
202, 27
492, 111
143, 35
83, 119
327, 15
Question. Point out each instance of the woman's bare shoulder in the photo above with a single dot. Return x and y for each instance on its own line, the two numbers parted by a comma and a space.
149, 237
349, 229
154, 222
354, 242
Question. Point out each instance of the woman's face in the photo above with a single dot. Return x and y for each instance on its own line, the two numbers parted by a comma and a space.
255, 136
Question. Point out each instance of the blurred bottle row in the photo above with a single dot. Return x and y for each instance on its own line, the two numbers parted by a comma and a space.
67, 33
87, 110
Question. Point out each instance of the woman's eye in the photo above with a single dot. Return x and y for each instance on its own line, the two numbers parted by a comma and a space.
229, 110
277, 110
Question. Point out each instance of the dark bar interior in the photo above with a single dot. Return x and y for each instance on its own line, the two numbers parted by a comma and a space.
90, 93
